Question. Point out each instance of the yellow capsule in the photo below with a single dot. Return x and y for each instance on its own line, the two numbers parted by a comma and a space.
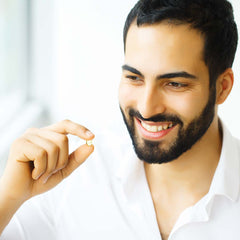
89, 142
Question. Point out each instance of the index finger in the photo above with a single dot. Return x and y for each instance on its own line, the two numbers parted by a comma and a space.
69, 127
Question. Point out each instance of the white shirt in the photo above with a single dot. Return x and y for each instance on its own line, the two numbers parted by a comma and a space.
108, 198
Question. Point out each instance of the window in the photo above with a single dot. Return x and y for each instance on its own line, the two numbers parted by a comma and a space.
17, 110
13, 58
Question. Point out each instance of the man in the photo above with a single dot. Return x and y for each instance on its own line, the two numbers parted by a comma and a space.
183, 182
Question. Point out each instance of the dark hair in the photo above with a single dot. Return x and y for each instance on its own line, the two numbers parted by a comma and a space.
213, 18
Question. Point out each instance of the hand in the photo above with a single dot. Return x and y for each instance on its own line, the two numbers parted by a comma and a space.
39, 160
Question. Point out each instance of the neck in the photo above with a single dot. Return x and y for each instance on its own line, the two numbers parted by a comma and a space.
193, 171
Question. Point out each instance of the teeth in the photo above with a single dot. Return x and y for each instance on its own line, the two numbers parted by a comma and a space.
156, 128
165, 126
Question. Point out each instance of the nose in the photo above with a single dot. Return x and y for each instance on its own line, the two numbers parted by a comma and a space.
151, 102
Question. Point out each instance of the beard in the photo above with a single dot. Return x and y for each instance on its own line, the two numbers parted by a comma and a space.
153, 151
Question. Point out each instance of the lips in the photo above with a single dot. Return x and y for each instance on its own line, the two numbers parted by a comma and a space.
154, 130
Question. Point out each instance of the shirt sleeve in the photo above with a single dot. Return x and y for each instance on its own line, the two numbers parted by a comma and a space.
33, 220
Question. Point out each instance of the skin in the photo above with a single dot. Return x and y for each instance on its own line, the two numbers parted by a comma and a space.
47, 150
160, 49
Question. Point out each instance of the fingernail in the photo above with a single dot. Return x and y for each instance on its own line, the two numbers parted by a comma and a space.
45, 180
88, 133
38, 176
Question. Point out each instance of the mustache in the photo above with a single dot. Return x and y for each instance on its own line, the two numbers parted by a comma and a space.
156, 118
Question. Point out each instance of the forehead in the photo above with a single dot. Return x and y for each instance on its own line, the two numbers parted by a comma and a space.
162, 46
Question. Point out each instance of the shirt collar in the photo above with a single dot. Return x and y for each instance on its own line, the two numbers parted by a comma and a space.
226, 178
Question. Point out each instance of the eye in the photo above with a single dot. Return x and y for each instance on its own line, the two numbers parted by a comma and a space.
176, 85
133, 78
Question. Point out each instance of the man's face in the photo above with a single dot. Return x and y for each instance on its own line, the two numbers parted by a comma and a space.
164, 92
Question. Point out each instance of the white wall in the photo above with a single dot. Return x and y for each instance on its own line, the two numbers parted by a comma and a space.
89, 55
86, 55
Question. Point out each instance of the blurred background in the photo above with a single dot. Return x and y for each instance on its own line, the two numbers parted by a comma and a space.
62, 60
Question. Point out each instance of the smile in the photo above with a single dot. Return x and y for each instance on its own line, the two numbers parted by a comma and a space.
154, 130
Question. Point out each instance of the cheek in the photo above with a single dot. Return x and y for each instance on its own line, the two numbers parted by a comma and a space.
190, 105
126, 95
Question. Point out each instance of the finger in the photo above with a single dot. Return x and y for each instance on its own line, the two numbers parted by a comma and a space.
69, 127
76, 158
61, 141
51, 150
35, 153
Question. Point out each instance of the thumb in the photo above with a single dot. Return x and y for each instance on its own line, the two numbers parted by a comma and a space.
76, 158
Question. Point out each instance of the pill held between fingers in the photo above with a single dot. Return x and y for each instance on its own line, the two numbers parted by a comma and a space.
89, 142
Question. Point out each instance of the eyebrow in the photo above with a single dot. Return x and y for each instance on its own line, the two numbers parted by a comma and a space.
182, 74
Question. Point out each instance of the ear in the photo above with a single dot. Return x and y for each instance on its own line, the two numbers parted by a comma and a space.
224, 85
